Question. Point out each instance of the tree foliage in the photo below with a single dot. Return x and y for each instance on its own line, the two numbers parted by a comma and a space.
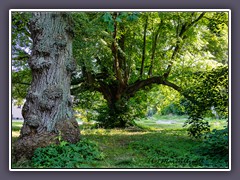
21, 44
215, 147
210, 91
132, 62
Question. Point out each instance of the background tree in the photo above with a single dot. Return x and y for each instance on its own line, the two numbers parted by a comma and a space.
48, 111
121, 53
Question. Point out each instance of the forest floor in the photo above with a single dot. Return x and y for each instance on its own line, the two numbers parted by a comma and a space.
156, 145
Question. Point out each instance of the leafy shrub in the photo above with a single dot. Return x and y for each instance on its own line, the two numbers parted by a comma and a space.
197, 127
87, 104
82, 154
215, 148
210, 89
119, 116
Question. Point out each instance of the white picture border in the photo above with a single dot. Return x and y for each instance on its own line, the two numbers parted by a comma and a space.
111, 10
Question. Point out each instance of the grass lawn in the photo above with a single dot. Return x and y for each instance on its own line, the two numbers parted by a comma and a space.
154, 146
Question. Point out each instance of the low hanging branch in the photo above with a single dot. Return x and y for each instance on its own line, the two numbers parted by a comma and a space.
140, 84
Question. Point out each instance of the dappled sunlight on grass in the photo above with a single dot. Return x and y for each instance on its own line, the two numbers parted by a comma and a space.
172, 122
15, 133
110, 132
218, 124
150, 145
123, 149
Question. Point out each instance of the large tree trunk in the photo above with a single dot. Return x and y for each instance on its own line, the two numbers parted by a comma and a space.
48, 111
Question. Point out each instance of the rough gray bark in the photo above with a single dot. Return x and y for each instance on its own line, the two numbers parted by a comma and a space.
47, 111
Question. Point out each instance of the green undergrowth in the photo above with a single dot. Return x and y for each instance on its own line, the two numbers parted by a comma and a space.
83, 154
147, 146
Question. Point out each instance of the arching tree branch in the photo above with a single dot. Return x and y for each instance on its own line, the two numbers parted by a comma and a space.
140, 84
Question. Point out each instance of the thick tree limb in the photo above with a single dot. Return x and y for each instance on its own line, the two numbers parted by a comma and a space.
140, 84
172, 85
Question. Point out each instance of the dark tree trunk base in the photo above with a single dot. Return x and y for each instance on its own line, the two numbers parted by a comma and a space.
25, 146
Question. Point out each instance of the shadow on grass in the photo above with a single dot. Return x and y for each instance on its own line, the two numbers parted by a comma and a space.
124, 149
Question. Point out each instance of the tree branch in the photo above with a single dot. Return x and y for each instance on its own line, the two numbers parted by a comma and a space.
154, 45
115, 51
172, 85
196, 20
185, 27
144, 46
140, 84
